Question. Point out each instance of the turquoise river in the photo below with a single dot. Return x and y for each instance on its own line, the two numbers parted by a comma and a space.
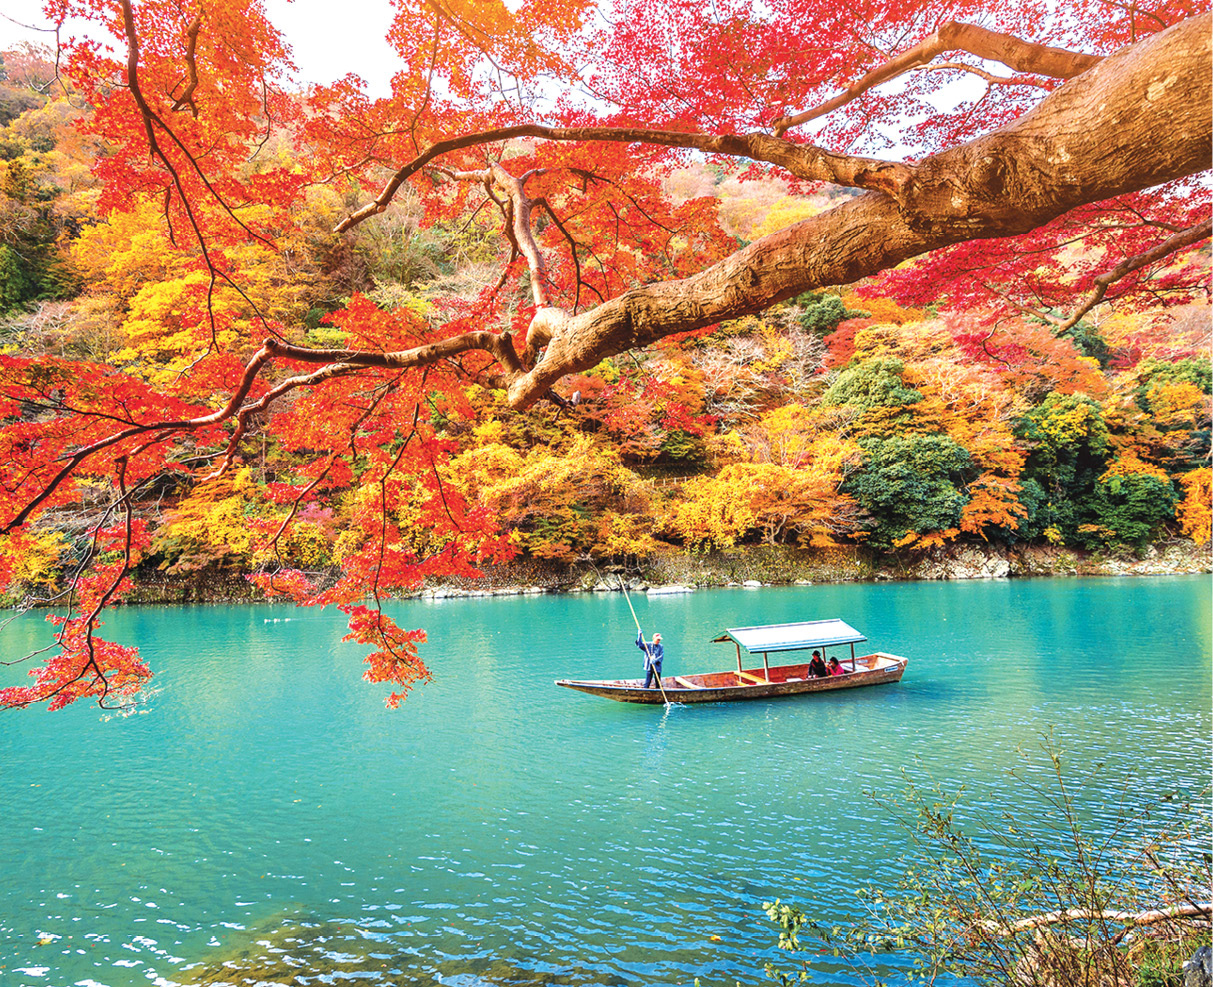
263, 814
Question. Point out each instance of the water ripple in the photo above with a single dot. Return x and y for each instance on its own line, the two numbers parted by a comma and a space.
497, 831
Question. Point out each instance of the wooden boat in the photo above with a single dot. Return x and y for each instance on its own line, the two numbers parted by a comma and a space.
765, 681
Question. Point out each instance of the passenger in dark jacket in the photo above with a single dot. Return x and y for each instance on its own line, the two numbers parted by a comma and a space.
817, 667
653, 653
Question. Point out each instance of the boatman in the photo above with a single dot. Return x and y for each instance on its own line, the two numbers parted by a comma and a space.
653, 653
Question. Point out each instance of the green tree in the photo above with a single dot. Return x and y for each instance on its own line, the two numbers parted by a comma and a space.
1089, 342
872, 384
30, 266
15, 285
911, 484
1069, 439
1195, 370
1036, 502
1127, 508
821, 312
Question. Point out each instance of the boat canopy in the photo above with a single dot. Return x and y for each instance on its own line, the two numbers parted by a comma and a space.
792, 637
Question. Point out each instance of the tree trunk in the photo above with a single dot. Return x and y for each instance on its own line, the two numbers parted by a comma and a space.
1139, 118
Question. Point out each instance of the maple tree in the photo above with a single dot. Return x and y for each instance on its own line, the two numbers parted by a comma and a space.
1074, 183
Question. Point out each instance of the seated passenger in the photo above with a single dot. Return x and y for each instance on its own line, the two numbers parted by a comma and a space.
817, 667
835, 668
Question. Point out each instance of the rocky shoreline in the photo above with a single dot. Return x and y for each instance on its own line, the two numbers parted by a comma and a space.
776, 566
752, 566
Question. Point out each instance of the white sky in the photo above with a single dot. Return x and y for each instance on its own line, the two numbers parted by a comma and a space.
328, 38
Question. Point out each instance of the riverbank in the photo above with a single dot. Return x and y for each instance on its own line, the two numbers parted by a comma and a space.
782, 566
765, 565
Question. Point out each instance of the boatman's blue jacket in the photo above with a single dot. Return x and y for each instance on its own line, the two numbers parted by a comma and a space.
653, 653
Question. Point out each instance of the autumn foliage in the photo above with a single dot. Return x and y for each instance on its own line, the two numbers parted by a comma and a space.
586, 289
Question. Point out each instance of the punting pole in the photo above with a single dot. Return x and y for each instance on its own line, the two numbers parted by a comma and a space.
656, 674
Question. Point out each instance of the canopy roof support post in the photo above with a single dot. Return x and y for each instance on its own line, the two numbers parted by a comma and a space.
852, 656
766, 669
739, 658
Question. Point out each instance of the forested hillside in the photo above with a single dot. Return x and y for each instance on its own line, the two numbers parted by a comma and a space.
344, 345
840, 416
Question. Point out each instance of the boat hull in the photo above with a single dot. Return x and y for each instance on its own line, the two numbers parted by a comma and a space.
753, 683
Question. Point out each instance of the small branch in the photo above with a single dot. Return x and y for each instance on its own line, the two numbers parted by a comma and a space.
1021, 308
989, 77
573, 245
1184, 238
801, 160
90, 621
505, 271
352, 445
246, 412
191, 48
429, 85
1133, 11
1015, 53
501, 347
273, 542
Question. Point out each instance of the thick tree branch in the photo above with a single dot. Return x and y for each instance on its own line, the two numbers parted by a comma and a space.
517, 207
524, 237
501, 347
1138, 118
1079, 145
1076, 147
1022, 56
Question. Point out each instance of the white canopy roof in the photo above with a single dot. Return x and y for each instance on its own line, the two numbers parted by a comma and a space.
793, 637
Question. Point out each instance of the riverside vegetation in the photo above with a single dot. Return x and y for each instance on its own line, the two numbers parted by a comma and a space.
1030, 902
